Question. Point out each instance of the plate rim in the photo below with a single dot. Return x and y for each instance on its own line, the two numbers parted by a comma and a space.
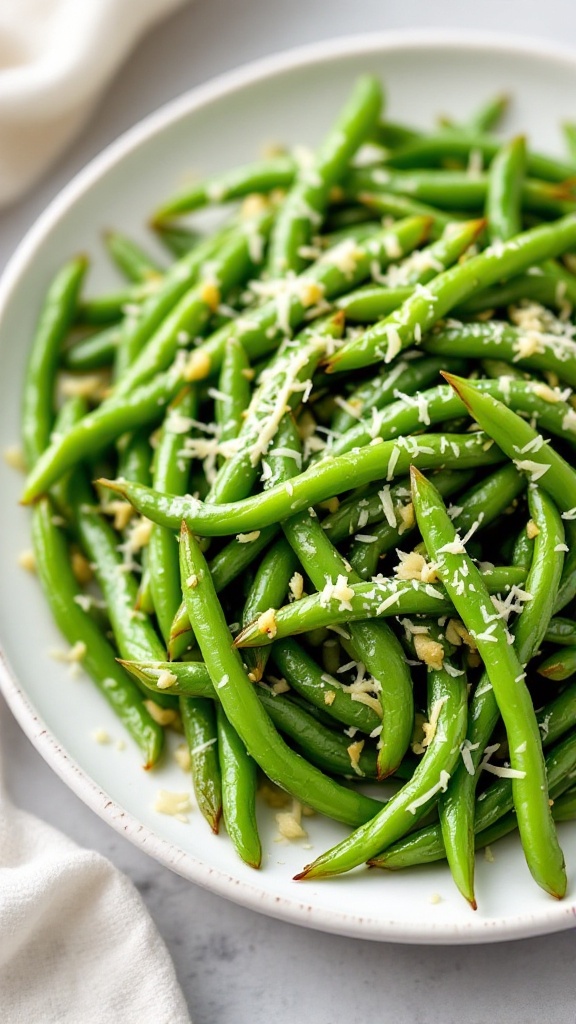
559, 916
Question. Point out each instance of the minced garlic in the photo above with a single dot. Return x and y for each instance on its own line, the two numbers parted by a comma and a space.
177, 805
182, 757
27, 560
14, 457
429, 651
163, 716
266, 623
531, 529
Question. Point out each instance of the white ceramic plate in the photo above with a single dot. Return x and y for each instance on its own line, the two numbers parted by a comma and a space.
291, 98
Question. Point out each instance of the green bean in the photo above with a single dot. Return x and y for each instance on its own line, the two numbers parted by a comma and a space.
447, 708
420, 268
242, 707
109, 308
94, 351
404, 376
559, 666
387, 338
230, 266
517, 438
307, 678
388, 204
50, 549
347, 217
104, 424
371, 644
99, 660
272, 579
391, 134
548, 285
482, 504
496, 368
425, 264
280, 386
118, 414
134, 463
307, 199
367, 507
233, 396
239, 782
324, 747
569, 130
455, 190
135, 458
179, 240
489, 114
178, 280
499, 340
199, 721
567, 589
425, 846
326, 279
226, 566
412, 412
455, 143
506, 674
260, 176
488, 499
134, 634
564, 808
56, 316
457, 807
268, 590
523, 550
171, 472
130, 258
319, 482
175, 678
504, 195
561, 631
378, 597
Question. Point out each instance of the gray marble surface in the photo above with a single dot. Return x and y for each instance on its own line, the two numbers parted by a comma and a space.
235, 965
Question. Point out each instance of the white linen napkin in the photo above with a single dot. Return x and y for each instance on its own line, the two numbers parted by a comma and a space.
56, 56
77, 945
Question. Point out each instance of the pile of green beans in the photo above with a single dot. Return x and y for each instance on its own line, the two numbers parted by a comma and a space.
332, 515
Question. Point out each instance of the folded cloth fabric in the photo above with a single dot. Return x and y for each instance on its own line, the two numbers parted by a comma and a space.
76, 943
56, 56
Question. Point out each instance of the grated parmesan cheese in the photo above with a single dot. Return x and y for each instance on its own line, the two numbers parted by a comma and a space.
440, 786
247, 538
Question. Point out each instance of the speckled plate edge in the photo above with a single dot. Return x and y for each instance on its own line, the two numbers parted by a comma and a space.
559, 916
